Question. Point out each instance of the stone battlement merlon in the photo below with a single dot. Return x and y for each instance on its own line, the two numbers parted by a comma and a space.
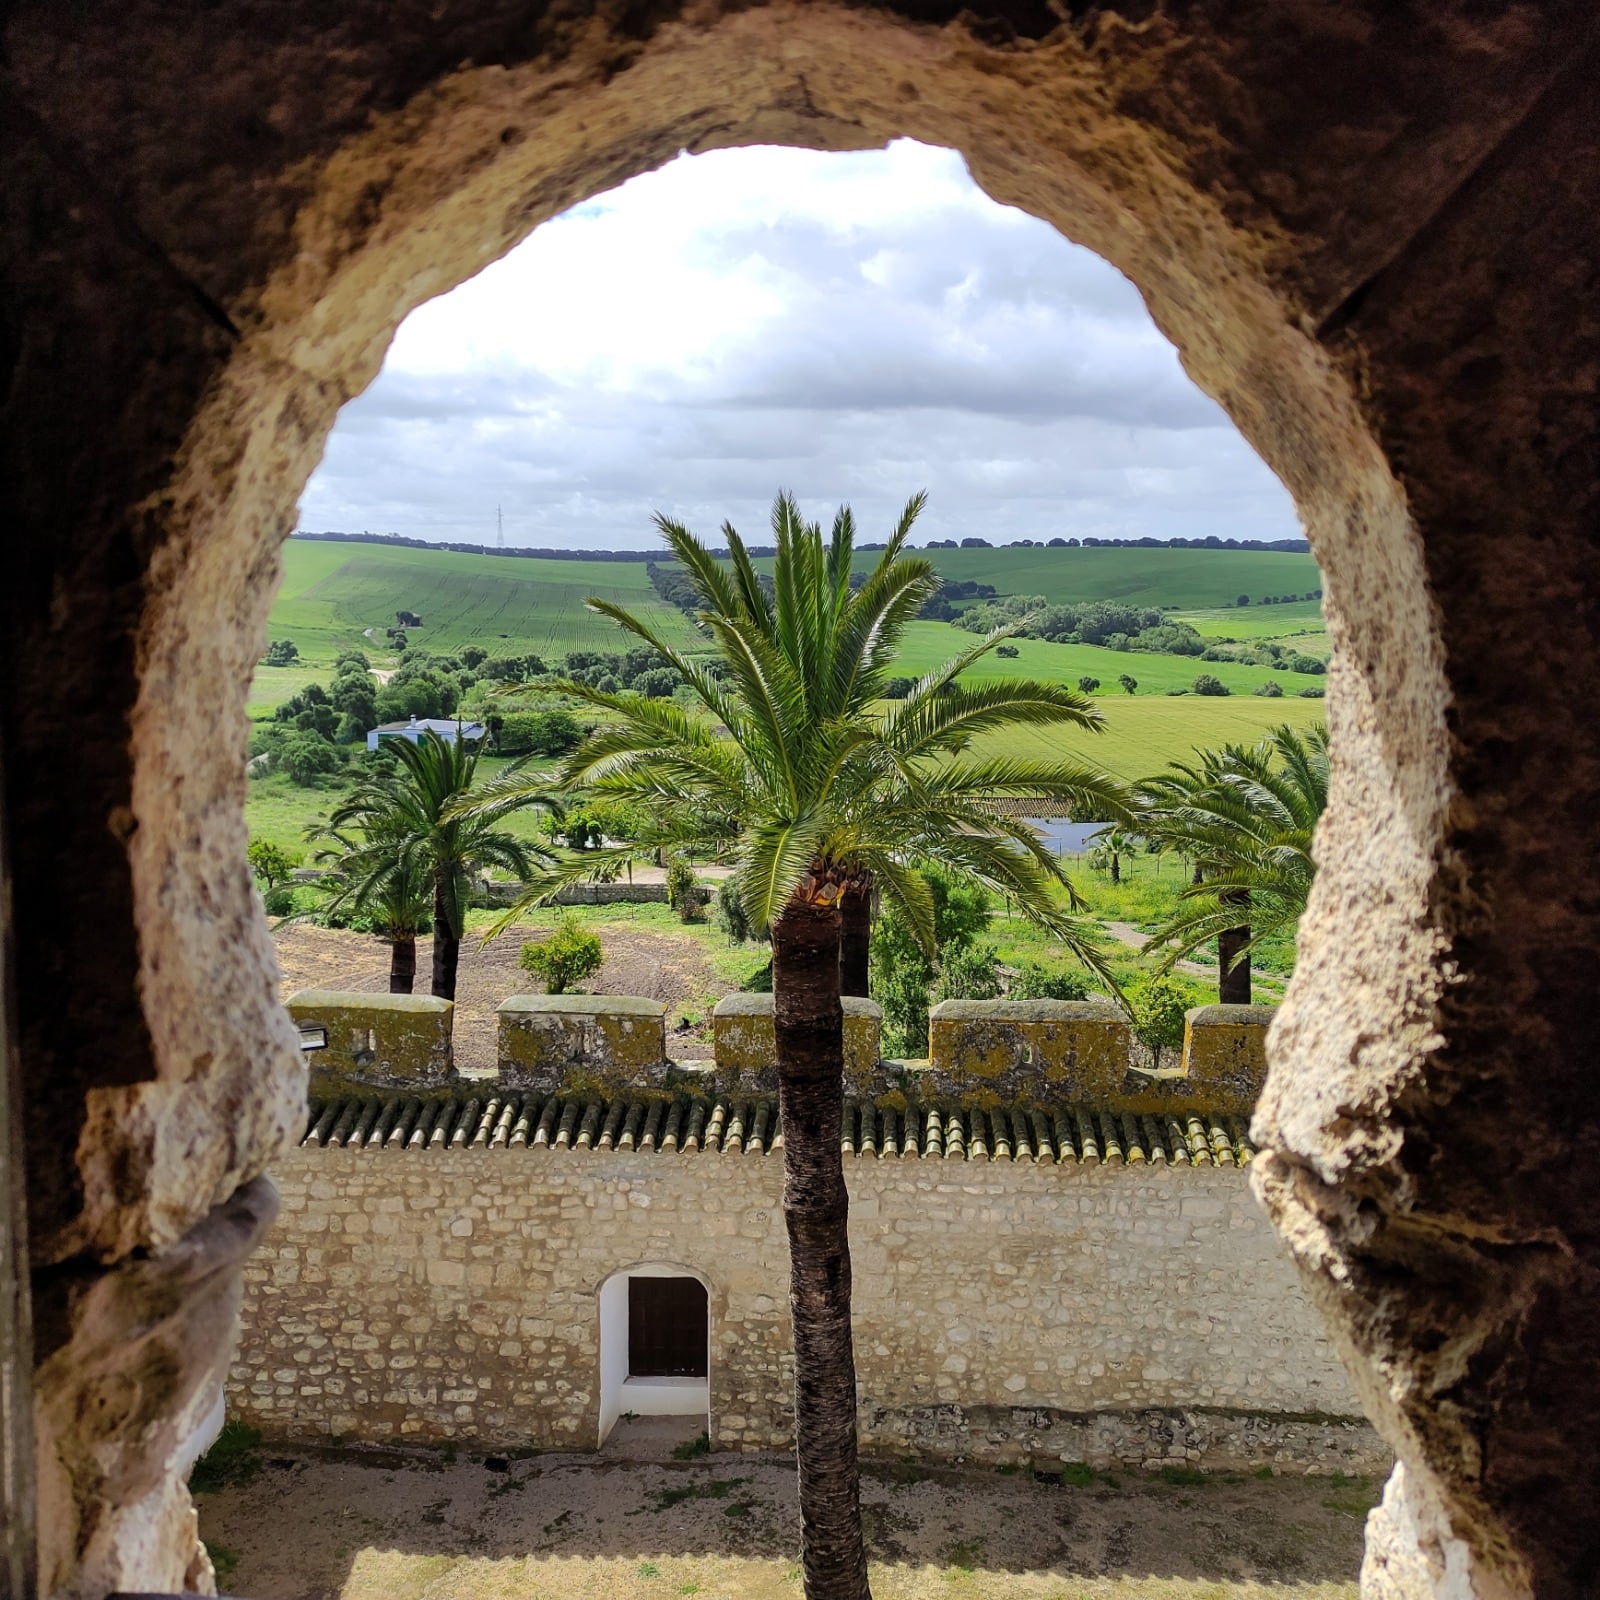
992, 1055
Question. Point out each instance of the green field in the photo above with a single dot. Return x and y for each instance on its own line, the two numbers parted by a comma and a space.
333, 594
1143, 733
929, 644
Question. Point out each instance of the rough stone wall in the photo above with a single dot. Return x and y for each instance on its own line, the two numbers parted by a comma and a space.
1002, 1313
1370, 232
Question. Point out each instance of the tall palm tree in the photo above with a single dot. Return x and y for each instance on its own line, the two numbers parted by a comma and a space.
818, 796
376, 876
1246, 817
407, 811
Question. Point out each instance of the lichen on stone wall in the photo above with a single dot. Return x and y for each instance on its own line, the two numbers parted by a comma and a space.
388, 1040
603, 1043
746, 1042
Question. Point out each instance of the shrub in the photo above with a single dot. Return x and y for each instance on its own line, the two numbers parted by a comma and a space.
1271, 690
1035, 981
1158, 1005
279, 902
731, 917
1177, 691
898, 688
1129, 683
1243, 600
657, 684
1088, 685
969, 972
1308, 664
1206, 684
280, 653
571, 954
1315, 693
683, 890
1009, 651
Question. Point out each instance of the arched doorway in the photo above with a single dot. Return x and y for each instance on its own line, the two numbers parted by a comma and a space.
655, 1345
1371, 237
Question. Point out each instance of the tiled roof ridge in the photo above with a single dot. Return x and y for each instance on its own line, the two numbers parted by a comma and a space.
733, 1124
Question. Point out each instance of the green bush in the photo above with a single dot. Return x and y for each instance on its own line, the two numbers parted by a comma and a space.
1315, 693
1035, 981
1271, 690
306, 756
279, 902
1088, 685
1009, 651
730, 915
969, 972
898, 688
280, 653
1207, 684
571, 954
683, 890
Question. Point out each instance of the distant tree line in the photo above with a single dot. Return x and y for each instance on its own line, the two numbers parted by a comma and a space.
1210, 542
1105, 622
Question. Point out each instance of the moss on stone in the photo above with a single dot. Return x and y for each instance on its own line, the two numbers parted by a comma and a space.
1225, 1056
605, 1043
992, 1050
746, 1042
390, 1039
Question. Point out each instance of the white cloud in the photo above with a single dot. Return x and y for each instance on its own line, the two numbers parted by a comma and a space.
850, 326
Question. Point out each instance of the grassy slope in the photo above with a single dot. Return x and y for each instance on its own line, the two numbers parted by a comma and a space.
1143, 733
930, 644
332, 593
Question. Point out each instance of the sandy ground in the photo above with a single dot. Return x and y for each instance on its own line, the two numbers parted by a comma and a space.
376, 1526
638, 962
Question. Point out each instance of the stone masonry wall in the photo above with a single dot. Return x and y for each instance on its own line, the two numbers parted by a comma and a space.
1004, 1312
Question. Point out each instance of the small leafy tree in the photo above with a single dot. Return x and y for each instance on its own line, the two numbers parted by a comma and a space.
1269, 689
971, 972
1157, 1005
1206, 683
571, 954
1088, 685
898, 688
280, 653
1129, 682
270, 863
1009, 651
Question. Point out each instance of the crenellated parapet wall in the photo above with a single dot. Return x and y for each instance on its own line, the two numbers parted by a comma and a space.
983, 1054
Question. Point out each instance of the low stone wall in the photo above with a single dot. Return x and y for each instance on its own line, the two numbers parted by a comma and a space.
402, 1040
1078, 1048
1005, 1311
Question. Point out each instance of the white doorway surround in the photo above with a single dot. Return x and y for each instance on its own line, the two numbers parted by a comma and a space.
648, 1329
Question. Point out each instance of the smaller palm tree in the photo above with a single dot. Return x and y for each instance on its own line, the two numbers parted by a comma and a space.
1246, 817
378, 877
407, 814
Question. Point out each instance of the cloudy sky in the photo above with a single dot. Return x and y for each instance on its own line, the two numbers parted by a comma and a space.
853, 327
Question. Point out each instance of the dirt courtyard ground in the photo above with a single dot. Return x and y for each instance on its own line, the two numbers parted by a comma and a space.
638, 961
331, 1525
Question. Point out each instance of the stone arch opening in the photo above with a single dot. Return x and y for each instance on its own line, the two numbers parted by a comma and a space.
220, 231
648, 1332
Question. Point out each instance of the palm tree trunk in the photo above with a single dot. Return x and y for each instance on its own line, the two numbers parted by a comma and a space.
402, 963
446, 948
816, 1206
855, 939
1116, 867
1233, 960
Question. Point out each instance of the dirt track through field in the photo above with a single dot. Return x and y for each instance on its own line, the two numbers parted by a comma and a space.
638, 961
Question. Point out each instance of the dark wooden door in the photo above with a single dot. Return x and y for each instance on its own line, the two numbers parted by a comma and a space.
666, 1328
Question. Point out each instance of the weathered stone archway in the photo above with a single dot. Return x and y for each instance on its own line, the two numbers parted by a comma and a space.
1373, 242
